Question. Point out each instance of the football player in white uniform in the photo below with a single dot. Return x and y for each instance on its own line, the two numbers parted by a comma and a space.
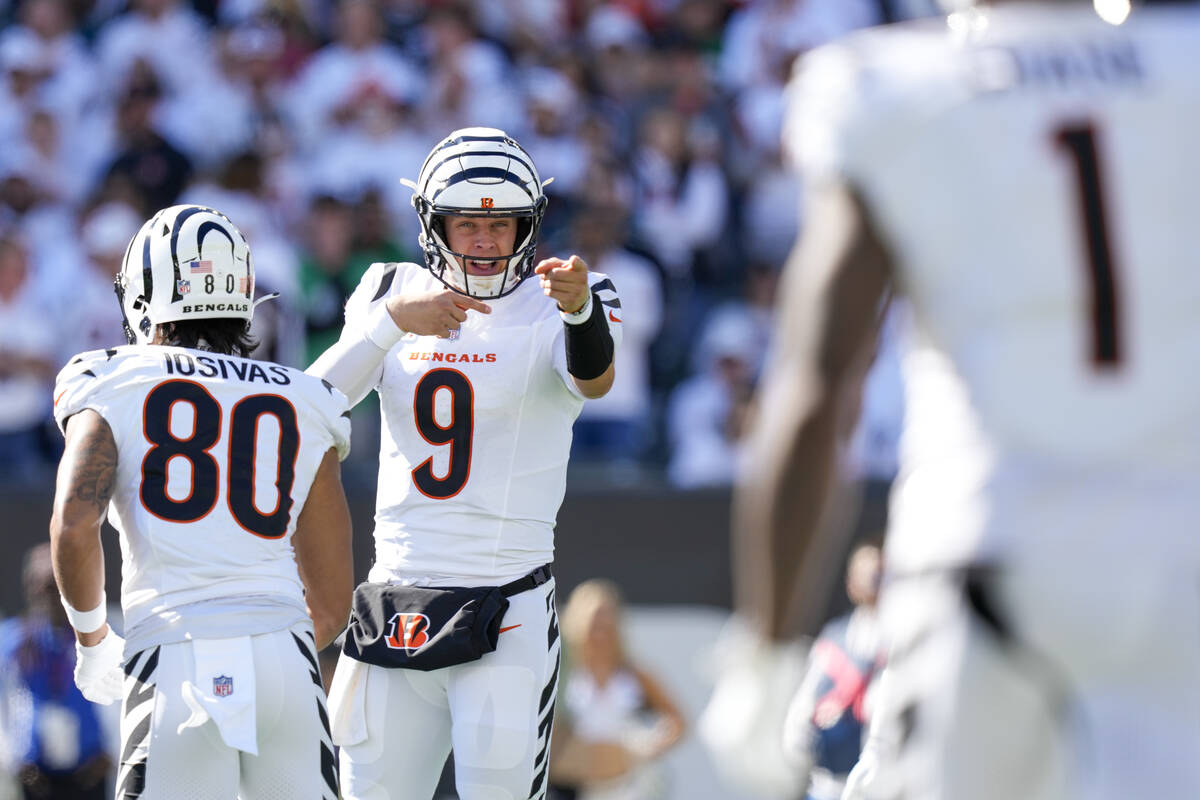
480, 375
221, 475
1027, 175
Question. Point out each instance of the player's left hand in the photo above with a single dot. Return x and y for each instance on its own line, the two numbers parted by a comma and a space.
565, 281
98, 672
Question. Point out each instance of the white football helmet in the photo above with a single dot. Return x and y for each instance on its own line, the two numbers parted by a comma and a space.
478, 172
186, 262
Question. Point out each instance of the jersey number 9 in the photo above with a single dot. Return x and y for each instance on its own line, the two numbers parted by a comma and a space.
459, 433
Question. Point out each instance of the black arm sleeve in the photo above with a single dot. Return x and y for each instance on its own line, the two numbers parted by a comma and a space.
589, 344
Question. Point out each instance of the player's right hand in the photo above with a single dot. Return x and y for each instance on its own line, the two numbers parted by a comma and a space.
433, 314
98, 672
742, 725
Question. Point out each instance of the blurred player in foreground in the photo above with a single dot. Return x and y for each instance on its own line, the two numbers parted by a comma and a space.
223, 477
1027, 174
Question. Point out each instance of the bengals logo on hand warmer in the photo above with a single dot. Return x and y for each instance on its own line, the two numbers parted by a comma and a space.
407, 631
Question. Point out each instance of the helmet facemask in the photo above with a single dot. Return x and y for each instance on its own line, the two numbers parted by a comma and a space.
449, 266
478, 172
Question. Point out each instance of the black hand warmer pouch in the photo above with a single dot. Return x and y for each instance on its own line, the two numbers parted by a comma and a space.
426, 628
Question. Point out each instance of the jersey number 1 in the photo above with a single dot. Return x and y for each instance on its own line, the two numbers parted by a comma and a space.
1079, 142
206, 431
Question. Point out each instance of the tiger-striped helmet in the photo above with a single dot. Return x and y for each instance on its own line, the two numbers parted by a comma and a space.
186, 262
478, 172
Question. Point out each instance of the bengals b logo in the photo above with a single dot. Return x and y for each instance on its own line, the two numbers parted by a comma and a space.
487, 202
407, 631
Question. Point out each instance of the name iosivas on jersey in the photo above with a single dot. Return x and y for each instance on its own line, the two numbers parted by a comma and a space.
216, 455
483, 418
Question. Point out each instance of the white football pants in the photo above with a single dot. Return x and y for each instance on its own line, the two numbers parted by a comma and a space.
185, 702
1073, 674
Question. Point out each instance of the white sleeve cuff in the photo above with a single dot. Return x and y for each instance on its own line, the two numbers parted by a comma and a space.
581, 316
381, 329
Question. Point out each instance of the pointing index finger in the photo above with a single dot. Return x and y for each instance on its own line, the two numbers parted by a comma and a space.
468, 303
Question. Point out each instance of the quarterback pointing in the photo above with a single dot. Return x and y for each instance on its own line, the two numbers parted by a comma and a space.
453, 641
221, 475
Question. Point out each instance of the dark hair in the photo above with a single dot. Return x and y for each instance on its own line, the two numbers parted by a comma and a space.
229, 336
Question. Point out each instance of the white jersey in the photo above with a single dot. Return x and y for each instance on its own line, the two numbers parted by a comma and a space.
476, 434
215, 458
1034, 171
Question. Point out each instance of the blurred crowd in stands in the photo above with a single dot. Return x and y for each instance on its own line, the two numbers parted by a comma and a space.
659, 121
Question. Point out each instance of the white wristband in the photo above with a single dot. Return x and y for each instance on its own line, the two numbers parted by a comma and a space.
581, 316
382, 331
87, 621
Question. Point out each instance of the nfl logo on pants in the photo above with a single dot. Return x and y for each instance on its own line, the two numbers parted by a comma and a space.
222, 686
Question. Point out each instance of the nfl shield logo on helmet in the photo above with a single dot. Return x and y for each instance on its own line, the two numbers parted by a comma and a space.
222, 686
183, 287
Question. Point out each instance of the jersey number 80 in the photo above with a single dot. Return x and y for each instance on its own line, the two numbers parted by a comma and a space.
206, 478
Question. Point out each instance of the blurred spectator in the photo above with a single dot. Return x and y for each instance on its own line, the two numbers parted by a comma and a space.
373, 238
771, 213
612, 31
761, 42
471, 81
554, 142
827, 721
303, 14
23, 74
329, 272
762, 35
615, 427
227, 102
96, 314
44, 156
164, 34
749, 317
523, 23
52, 737
45, 227
619, 62
146, 164
27, 365
617, 719
376, 147
681, 193
357, 65
700, 24
49, 67
708, 413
